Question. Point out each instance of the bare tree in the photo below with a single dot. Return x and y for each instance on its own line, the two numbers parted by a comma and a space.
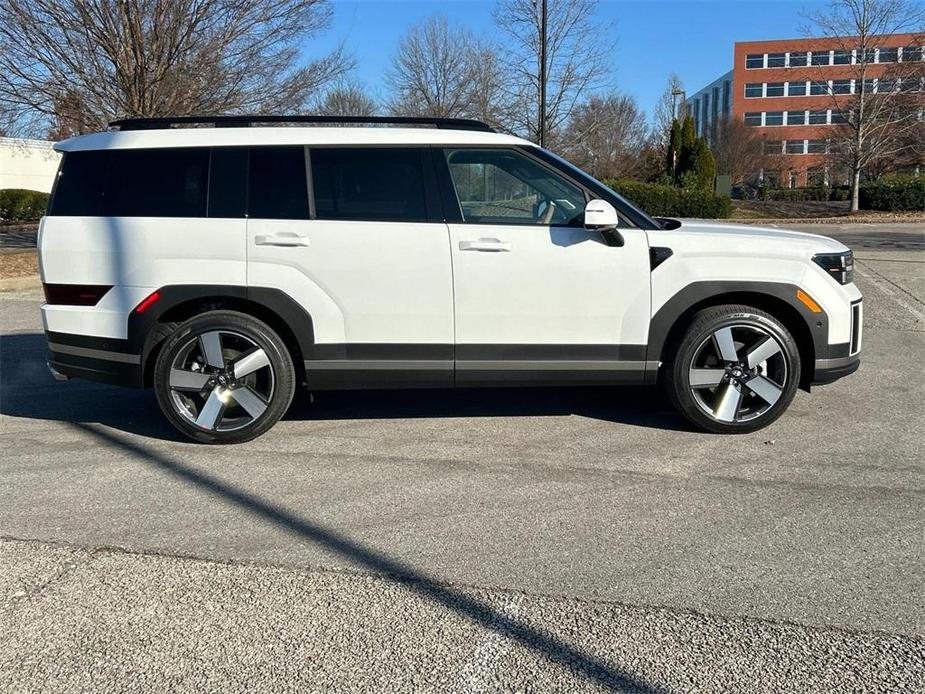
347, 99
879, 117
432, 70
605, 136
83, 63
577, 52
738, 150
668, 109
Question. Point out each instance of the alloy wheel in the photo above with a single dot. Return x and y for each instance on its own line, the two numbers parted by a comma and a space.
221, 380
738, 373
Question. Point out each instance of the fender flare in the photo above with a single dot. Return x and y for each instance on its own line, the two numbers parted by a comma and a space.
690, 296
141, 327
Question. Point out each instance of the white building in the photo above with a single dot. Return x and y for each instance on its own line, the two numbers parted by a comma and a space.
29, 164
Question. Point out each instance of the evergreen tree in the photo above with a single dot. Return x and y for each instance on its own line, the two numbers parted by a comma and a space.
703, 165
674, 151
688, 143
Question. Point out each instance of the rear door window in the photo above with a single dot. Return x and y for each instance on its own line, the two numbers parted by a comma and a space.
375, 184
277, 183
157, 183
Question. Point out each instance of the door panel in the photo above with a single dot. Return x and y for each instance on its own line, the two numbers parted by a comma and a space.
552, 285
378, 291
539, 298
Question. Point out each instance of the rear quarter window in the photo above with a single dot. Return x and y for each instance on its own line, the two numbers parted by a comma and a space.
157, 183
78, 189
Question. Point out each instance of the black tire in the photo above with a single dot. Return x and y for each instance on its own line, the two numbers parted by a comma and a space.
699, 359
240, 335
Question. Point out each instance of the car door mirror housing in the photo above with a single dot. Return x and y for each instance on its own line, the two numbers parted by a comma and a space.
601, 216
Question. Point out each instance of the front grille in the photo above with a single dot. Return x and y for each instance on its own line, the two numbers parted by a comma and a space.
857, 318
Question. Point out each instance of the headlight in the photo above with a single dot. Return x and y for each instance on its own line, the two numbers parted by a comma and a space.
839, 265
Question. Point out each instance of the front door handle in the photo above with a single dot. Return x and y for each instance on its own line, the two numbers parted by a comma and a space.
485, 245
283, 238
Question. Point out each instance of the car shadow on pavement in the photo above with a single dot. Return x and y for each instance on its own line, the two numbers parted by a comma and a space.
27, 390
547, 645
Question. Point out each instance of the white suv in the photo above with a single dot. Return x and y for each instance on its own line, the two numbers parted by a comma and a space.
225, 265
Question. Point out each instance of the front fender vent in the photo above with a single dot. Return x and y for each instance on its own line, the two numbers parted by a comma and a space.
658, 255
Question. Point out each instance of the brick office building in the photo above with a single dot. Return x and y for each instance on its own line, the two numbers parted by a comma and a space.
793, 93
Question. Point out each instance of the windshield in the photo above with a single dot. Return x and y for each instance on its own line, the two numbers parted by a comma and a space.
623, 205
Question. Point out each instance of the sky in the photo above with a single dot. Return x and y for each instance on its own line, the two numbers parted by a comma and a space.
650, 38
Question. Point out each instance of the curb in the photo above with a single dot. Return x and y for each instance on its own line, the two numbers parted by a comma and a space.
11, 284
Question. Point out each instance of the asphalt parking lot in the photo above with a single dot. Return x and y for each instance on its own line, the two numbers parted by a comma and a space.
476, 541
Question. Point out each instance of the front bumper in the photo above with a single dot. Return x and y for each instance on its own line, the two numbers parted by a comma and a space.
830, 370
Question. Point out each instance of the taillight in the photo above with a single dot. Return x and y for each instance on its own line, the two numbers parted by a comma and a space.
75, 294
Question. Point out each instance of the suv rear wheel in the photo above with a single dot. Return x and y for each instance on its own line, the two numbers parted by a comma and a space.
224, 377
736, 370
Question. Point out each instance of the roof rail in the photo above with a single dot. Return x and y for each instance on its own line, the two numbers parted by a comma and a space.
246, 121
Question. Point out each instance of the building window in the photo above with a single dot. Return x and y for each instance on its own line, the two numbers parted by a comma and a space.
820, 58
912, 54
818, 117
777, 59
794, 147
870, 55
839, 117
754, 60
798, 59
868, 86
753, 119
773, 146
753, 90
841, 86
815, 147
841, 57
817, 88
796, 118
775, 89
889, 55
885, 86
796, 89
774, 118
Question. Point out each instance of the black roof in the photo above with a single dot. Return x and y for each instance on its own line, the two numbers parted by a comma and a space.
249, 120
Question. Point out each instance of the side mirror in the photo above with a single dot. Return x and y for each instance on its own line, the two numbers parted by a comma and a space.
601, 216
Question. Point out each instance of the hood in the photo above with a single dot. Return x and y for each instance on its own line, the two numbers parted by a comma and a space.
749, 234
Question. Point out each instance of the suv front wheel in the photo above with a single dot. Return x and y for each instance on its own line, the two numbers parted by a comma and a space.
224, 377
736, 370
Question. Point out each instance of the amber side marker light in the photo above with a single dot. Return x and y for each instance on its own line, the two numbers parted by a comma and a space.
148, 302
808, 301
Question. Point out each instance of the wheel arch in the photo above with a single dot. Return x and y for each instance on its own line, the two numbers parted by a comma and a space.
148, 331
809, 330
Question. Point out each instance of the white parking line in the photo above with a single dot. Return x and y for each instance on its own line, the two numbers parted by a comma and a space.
883, 285
473, 675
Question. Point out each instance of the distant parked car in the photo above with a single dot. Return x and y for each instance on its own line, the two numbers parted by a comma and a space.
224, 266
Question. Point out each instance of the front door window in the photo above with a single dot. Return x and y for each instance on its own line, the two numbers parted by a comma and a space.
502, 186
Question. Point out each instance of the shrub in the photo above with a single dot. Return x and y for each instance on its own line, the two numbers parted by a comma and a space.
893, 195
18, 205
668, 201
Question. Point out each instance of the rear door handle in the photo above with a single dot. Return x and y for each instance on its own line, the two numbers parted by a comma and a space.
283, 238
485, 245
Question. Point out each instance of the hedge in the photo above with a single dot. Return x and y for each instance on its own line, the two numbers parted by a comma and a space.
668, 201
893, 195
18, 205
